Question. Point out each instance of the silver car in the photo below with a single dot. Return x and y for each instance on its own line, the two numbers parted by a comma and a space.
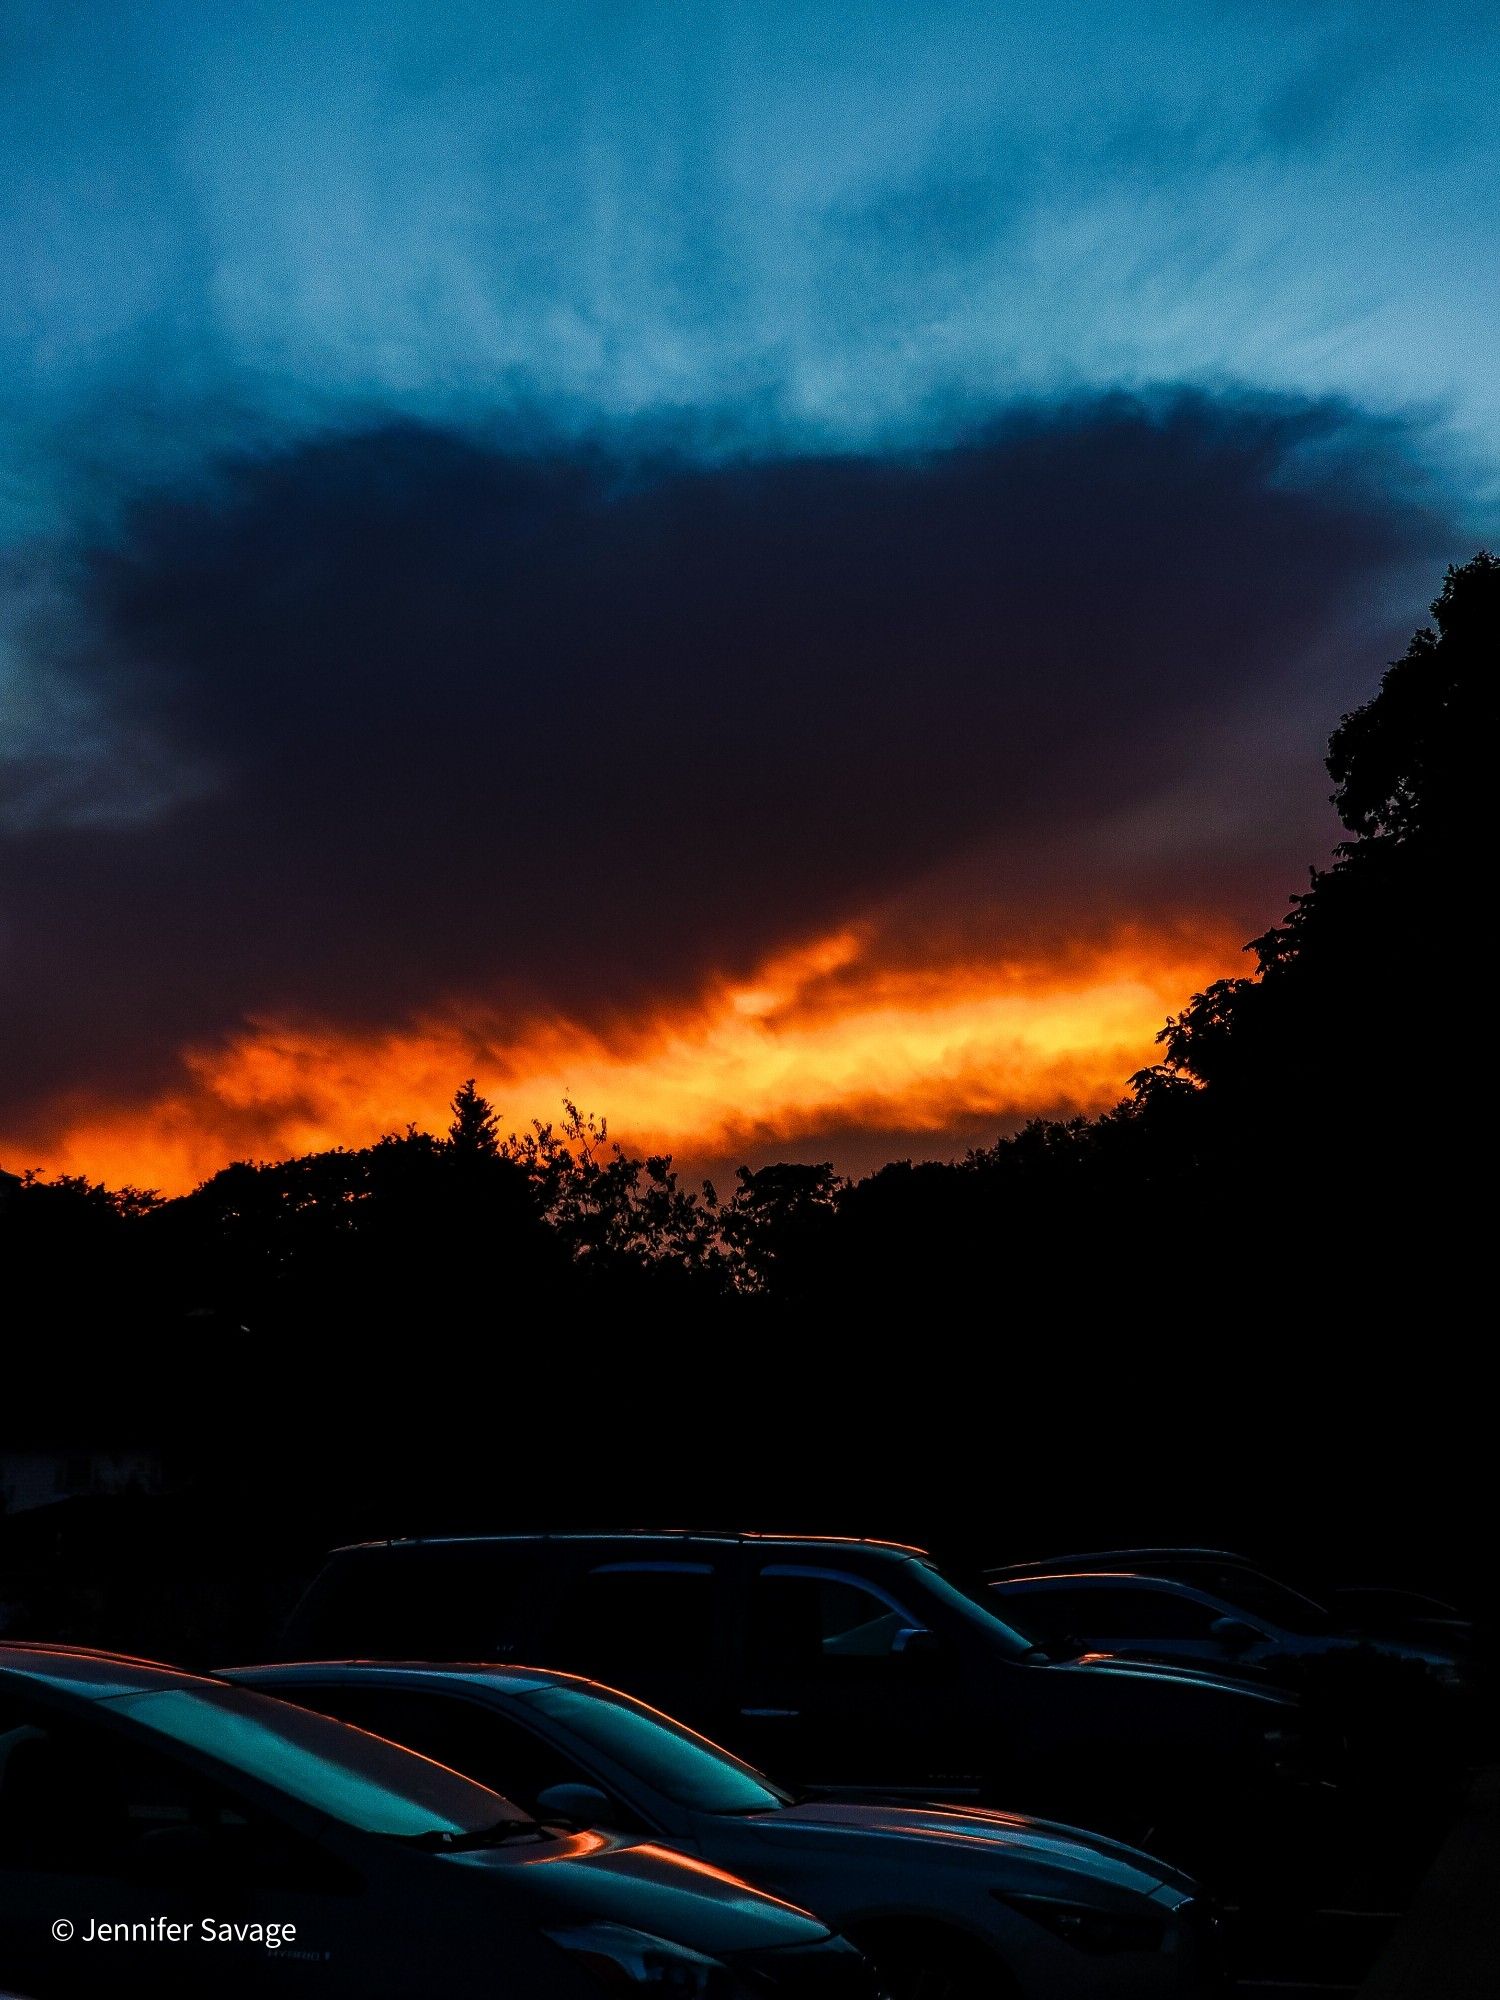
947, 1900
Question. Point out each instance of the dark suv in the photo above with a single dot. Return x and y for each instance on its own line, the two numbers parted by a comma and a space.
838, 1664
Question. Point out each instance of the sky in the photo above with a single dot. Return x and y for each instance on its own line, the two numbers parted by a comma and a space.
779, 570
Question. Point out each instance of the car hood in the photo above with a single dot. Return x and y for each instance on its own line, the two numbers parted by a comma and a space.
952, 1834
595, 1877
1117, 1666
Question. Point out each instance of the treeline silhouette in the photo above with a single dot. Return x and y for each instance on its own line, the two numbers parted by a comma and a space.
1321, 1124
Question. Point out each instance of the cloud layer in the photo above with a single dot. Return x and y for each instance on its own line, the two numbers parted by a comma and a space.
223, 221
412, 724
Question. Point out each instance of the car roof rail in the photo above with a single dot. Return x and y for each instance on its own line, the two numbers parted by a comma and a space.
738, 1535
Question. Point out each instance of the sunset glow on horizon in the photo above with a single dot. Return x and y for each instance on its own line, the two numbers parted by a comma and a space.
826, 1038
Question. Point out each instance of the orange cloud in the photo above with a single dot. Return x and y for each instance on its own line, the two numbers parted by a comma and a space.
831, 1036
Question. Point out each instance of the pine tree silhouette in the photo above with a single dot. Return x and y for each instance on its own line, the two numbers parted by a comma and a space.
475, 1131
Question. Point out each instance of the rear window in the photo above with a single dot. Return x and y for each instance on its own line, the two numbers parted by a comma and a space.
1071, 1618
431, 1601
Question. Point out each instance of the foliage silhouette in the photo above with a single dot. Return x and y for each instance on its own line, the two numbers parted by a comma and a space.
1325, 1069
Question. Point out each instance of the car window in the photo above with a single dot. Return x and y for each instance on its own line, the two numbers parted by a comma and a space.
343, 1772
80, 1800
1263, 1597
1054, 1618
624, 1618
1129, 1614
803, 1619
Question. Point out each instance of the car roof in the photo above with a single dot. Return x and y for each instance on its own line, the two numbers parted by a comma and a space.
638, 1538
1106, 1559
502, 1678
90, 1672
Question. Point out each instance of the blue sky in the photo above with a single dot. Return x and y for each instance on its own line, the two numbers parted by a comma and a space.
794, 221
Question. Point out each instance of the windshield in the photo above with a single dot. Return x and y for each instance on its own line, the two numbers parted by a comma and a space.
1014, 1637
359, 1779
685, 1768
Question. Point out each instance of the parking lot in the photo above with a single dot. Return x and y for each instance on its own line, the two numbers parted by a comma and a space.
1439, 1935
980, 1798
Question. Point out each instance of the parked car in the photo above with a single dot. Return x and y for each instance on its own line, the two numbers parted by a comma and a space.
1211, 1617
946, 1901
167, 1833
1366, 1611
838, 1663
1382, 1611
1204, 1564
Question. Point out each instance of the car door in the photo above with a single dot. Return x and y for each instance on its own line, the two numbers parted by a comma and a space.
98, 1830
842, 1686
656, 1629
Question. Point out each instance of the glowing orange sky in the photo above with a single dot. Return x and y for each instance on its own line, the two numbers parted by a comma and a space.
830, 1037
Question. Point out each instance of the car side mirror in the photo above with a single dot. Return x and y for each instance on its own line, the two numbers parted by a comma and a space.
581, 1805
916, 1643
1234, 1634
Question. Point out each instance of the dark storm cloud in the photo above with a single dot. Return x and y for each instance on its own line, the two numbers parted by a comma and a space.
457, 718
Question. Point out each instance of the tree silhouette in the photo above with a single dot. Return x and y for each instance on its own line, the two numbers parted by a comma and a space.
780, 1225
1418, 760
621, 1220
1345, 984
475, 1131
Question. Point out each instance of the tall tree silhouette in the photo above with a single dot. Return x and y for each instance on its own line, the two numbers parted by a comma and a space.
1340, 1070
475, 1131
